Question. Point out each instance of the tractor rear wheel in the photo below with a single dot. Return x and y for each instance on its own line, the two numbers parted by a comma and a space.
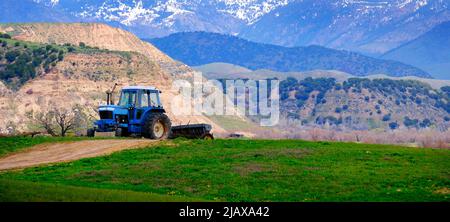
156, 126
208, 136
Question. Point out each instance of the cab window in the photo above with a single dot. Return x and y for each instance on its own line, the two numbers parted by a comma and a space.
144, 99
127, 98
154, 99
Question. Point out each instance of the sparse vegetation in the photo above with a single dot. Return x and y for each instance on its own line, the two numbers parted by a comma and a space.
23, 62
384, 99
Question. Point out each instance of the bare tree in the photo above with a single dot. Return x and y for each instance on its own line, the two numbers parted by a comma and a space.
65, 119
46, 121
58, 121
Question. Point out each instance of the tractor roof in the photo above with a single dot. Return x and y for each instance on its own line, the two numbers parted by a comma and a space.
139, 87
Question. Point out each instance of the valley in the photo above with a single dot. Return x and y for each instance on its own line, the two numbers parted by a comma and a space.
74, 64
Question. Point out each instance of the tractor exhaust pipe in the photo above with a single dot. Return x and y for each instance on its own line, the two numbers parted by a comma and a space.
109, 95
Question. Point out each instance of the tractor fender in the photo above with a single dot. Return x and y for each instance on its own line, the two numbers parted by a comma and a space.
149, 112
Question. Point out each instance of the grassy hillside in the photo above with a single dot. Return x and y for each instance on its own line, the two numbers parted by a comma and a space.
244, 170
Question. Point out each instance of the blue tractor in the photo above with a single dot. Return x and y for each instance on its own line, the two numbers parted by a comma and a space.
140, 113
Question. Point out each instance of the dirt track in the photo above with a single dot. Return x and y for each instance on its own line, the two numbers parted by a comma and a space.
67, 151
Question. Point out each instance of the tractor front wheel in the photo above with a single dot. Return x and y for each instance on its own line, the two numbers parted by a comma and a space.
90, 132
156, 126
120, 132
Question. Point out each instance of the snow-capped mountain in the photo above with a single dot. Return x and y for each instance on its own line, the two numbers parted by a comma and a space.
370, 26
160, 17
373, 26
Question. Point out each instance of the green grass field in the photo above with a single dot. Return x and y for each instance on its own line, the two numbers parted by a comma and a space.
241, 170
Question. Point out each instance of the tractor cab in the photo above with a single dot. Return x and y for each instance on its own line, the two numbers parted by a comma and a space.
139, 109
139, 97
138, 101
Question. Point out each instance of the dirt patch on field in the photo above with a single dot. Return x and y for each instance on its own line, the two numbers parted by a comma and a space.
443, 191
249, 168
68, 151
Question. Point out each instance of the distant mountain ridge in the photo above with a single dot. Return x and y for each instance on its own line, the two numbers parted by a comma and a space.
199, 48
370, 26
30, 11
373, 26
430, 52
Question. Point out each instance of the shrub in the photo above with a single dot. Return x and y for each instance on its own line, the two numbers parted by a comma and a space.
446, 90
418, 101
52, 57
387, 117
301, 95
425, 123
11, 56
410, 122
5, 36
393, 125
